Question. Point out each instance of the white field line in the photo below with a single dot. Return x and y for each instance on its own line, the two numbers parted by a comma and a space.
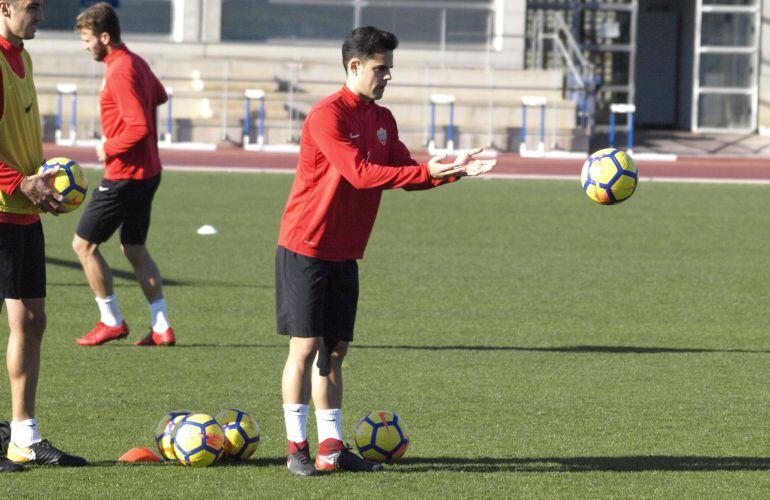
511, 176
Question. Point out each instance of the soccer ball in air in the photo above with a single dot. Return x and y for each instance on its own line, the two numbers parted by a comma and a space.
165, 430
71, 182
609, 176
241, 433
198, 440
382, 436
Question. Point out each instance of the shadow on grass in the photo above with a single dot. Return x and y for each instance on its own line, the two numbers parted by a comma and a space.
608, 349
199, 345
584, 464
130, 276
487, 465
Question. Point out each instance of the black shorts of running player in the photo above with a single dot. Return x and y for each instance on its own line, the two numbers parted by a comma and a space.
315, 298
124, 204
22, 261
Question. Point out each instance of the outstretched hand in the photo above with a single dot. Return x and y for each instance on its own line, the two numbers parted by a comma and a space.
473, 166
39, 189
464, 165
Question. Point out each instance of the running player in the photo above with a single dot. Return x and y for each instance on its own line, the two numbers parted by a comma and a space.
124, 197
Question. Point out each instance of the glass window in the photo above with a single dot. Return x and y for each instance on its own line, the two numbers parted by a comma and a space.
724, 111
730, 2
421, 25
260, 20
465, 27
727, 70
727, 29
136, 16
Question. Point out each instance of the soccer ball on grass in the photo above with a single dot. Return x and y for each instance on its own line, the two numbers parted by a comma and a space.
609, 176
241, 433
164, 431
198, 440
382, 436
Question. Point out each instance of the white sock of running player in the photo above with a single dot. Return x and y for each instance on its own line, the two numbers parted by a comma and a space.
24, 433
295, 416
159, 316
329, 424
109, 310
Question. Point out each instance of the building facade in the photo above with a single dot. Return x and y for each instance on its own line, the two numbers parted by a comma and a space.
687, 65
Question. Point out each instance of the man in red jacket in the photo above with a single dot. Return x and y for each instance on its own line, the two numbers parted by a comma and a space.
349, 153
128, 101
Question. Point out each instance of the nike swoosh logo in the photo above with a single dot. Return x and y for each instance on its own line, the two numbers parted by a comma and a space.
103, 189
354, 136
27, 109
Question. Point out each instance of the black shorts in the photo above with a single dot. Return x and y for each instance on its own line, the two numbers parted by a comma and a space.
22, 261
314, 297
126, 204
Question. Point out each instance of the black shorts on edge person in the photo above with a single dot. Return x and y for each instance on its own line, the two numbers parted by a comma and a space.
315, 298
22, 261
126, 204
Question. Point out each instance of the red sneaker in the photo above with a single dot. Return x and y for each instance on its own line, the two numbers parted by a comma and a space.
103, 333
333, 455
155, 338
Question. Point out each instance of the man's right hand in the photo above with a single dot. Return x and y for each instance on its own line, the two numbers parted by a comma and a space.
38, 188
440, 170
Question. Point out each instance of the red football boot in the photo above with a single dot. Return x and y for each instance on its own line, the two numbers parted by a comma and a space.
103, 333
155, 338
333, 455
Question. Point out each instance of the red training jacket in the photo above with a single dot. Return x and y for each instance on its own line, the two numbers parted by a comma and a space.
349, 154
128, 101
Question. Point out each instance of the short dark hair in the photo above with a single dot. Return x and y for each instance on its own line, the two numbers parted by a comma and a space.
100, 18
366, 41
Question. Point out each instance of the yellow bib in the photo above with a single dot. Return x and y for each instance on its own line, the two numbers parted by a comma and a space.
21, 134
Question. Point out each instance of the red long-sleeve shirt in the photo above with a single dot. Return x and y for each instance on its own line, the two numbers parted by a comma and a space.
128, 102
349, 153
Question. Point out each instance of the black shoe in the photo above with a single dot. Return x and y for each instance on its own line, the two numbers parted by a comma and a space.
5, 437
345, 460
43, 453
299, 462
8, 466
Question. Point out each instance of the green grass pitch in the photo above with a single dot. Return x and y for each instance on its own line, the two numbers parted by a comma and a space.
537, 344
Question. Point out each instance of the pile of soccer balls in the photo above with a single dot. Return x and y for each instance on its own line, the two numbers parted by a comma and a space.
199, 440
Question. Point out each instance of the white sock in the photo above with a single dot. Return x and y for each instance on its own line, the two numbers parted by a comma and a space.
159, 316
295, 416
329, 424
110, 311
24, 433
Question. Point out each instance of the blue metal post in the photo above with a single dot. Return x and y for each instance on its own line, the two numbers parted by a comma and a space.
542, 124
247, 119
432, 121
261, 129
630, 131
58, 111
524, 124
74, 120
451, 123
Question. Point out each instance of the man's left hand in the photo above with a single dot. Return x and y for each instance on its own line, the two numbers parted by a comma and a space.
100, 154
